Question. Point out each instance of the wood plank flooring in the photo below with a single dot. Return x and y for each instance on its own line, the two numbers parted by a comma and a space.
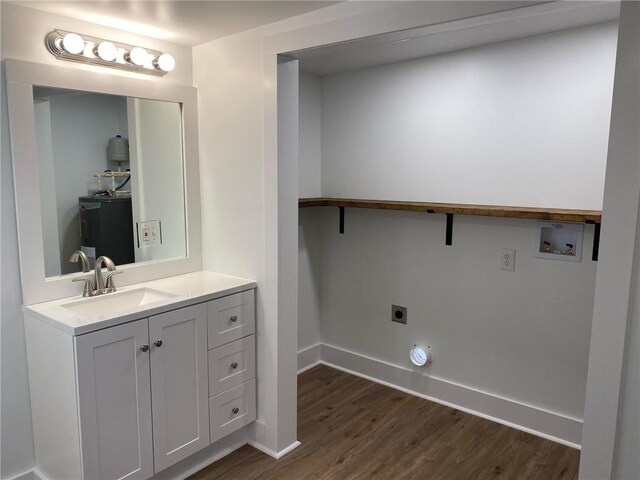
351, 428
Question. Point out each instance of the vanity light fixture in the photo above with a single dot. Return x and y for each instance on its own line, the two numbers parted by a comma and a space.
98, 51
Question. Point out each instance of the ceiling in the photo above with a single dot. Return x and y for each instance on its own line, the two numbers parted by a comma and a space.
182, 22
436, 39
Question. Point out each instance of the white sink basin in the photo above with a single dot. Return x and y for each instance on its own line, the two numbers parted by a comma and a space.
115, 303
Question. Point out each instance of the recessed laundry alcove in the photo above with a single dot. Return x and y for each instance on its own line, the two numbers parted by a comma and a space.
426, 152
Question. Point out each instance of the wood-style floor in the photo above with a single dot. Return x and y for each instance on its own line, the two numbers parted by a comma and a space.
351, 428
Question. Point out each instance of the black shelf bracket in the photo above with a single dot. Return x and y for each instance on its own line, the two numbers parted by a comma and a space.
341, 227
596, 239
449, 236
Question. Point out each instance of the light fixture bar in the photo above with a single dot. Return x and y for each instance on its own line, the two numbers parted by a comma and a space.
91, 50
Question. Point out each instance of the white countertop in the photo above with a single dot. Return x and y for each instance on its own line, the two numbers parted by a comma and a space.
188, 289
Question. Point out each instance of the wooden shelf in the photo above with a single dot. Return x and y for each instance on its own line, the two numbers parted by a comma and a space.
554, 214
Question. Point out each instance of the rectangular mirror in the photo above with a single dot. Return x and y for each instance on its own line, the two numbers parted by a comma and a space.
111, 178
104, 163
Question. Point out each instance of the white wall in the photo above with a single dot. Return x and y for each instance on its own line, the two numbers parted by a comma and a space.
309, 174
626, 459
17, 437
287, 241
524, 122
230, 113
609, 442
22, 32
309, 277
310, 136
520, 335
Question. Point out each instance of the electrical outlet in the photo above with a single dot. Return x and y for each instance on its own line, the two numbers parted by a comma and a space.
508, 260
149, 233
399, 314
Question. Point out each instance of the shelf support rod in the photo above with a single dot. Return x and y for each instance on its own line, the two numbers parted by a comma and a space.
341, 220
596, 239
449, 236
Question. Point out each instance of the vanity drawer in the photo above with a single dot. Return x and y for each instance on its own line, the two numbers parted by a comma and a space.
232, 410
232, 364
231, 318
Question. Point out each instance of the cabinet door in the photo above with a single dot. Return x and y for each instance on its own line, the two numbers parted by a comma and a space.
179, 384
114, 398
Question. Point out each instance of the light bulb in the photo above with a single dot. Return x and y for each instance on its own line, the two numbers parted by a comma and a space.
106, 51
73, 43
137, 56
165, 62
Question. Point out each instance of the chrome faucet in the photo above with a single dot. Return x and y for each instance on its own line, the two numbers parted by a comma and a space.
106, 285
97, 270
80, 255
100, 285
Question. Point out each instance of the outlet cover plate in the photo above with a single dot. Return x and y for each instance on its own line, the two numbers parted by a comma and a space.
149, 233
508, 260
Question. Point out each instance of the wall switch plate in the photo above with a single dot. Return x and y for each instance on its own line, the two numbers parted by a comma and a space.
149, 233
399, 314
508, 260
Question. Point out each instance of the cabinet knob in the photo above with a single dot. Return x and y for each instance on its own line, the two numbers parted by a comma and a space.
144, 348
234, 318
235, 410
234, 365
158, 343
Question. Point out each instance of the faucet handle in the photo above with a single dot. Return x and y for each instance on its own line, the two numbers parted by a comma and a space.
109, 282
88, 286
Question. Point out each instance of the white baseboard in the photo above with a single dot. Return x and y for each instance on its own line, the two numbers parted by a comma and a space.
290, 448
308, 358
30, 475
34, 474
259, 434
550, 425
271, 453
193, 463
37, 475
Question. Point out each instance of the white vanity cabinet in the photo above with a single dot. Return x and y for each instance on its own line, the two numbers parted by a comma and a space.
143, 394
114, 402
130, 400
